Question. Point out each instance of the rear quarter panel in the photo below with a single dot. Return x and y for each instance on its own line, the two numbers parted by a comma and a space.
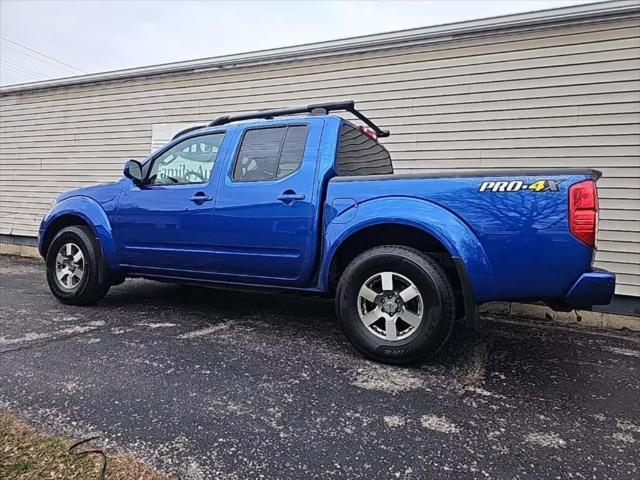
523, 250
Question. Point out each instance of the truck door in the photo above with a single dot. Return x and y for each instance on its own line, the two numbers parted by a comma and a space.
165, 226
265, 207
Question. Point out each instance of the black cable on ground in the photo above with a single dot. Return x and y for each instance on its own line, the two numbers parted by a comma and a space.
103, 471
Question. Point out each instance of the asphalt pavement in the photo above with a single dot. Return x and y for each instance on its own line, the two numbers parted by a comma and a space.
215, 384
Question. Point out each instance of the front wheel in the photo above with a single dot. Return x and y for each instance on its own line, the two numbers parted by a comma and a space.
72, 267
396, 305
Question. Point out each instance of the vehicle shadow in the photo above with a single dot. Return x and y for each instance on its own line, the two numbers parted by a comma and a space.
290, 314
513, 359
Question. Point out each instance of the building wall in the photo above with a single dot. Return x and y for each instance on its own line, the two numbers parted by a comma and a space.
545, 97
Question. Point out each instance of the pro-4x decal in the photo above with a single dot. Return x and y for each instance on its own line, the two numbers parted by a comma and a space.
518, 185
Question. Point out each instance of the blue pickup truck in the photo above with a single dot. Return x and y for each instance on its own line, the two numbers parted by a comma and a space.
302, 199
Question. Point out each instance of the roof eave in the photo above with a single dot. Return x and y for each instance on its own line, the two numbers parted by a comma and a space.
438, 33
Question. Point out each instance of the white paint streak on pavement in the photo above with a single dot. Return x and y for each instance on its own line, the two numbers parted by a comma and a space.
387, 379
625, 351
32, 336
158, 325
204, 331
548, 439
439, 424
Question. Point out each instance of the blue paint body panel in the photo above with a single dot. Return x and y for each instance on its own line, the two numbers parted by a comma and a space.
592, 288
160, 229
94, 205
515, 245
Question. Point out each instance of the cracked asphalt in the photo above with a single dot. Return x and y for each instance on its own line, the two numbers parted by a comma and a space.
214, 384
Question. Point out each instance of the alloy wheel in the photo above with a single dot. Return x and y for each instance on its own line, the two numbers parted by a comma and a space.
70, 266
390, 306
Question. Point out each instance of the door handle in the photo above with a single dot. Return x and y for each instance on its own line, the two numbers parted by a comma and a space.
201, 197
289, 196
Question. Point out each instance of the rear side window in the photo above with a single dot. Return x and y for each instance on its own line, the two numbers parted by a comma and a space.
270, 153
359, 154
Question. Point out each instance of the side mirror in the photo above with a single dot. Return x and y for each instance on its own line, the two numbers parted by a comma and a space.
133, 171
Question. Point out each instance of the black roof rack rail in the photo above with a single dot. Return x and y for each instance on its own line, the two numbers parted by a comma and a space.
187, 130
314, 109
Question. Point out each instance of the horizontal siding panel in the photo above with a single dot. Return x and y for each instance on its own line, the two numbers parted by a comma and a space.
627, 280
619, 205
522, 44
418, 105
609, 182
402, 143
492, 124
633, 291
629, 151
15, 230
633, 215
631, 126
578, 136
371, 91
618, 236
619, 193
600, 163
624, 247
621, 226
527, 157
611, 62
629, 269
597, 114
583, 105
99, 164
619, 257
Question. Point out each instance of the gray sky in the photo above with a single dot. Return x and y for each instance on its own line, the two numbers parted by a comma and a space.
97, 35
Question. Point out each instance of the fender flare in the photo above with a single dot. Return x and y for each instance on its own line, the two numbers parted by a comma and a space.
449, 229
94, 215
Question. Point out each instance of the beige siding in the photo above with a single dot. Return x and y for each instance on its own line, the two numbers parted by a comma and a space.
554, 97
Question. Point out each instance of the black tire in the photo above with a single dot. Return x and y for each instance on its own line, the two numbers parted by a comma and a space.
433, 285
88, 290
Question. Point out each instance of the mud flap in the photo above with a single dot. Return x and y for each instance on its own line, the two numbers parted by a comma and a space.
100, 261
471, 312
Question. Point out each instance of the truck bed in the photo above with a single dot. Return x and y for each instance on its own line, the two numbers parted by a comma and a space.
524, 232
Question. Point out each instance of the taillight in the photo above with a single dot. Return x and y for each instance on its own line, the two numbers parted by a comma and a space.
583, 211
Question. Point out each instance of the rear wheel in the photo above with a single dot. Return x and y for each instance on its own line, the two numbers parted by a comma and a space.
396, 305
72, 267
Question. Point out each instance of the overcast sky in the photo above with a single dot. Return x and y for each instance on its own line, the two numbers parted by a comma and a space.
96, 36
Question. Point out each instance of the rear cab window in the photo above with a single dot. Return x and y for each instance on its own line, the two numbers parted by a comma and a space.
359, 154
270, 153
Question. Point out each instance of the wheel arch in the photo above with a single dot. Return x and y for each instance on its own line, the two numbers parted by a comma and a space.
418, 224
57, 224
379, 234
83, 211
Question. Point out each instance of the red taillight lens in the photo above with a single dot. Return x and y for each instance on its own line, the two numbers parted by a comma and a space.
583, 211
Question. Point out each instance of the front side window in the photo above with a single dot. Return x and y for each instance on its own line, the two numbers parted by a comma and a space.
188, 162
270, 153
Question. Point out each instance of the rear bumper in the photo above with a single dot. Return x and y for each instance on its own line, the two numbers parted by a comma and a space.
592, 288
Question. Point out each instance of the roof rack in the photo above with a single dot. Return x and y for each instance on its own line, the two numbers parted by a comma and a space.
314, 109
187, 130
